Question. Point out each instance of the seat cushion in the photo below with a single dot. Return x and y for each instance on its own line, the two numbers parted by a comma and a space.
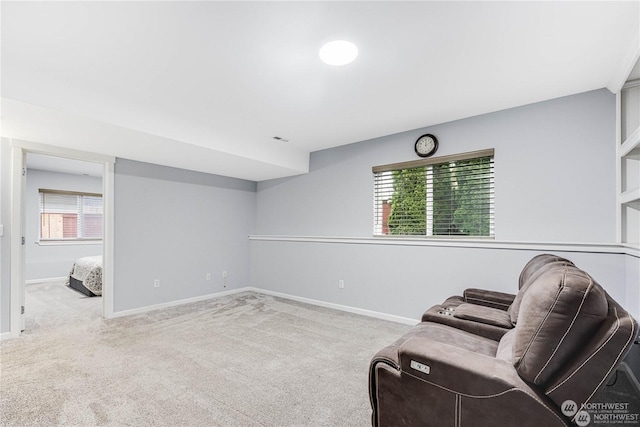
505, 346
559, 311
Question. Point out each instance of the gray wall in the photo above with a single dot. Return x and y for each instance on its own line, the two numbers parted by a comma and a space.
51, 261
176, 226
405, 280
555, 183
554, 172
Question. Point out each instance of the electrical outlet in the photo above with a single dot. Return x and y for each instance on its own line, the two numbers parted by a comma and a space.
341, 284
156, 283
208, 276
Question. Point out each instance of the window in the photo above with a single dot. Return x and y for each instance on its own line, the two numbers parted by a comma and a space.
443, 196
66, 215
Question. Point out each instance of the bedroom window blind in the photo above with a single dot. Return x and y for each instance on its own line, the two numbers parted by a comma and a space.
66, 215
449, 196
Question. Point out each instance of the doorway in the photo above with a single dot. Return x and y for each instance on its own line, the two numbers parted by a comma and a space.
20, 151
63, 227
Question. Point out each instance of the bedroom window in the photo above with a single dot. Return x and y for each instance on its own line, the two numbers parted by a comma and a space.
67, 215
449, 196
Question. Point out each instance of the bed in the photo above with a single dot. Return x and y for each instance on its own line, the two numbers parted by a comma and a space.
86, 276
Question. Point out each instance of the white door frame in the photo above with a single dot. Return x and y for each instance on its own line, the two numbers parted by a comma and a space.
19, 149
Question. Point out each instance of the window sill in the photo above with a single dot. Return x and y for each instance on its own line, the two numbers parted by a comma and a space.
67, 242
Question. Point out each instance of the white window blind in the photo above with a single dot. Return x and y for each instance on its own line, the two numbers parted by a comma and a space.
66, 215
443, 196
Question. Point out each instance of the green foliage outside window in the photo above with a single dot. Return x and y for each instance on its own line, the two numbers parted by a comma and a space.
456, 196
408, 214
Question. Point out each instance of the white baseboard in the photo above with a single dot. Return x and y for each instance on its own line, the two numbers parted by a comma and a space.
349, 309
177, 302
50, 279
5, 336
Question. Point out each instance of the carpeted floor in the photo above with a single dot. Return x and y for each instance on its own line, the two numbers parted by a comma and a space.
242, 360
50, 305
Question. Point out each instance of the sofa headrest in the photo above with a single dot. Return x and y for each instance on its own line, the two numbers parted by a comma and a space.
534, 265
559, 311
534, 269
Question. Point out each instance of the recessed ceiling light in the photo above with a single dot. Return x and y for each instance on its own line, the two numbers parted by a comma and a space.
338, 52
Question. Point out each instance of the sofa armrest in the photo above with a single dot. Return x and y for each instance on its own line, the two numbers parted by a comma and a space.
439, 384
436, 314
483, 314
457, 369
488, 298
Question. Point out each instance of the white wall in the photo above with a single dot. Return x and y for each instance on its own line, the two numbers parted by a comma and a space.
632, 279
555, 184
176, 226
5, 240
51, 261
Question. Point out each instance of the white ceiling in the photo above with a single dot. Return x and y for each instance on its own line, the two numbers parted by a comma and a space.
207, 85
64, 165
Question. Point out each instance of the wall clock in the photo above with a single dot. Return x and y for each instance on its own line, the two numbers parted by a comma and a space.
426, 145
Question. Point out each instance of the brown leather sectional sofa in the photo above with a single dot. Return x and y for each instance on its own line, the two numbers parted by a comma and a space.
494, 359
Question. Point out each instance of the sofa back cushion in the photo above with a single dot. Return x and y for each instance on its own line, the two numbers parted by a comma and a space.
593, 363
559, 311
534, 269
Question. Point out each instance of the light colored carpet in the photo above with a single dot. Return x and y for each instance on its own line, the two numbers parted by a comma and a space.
242, 360
52, 304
